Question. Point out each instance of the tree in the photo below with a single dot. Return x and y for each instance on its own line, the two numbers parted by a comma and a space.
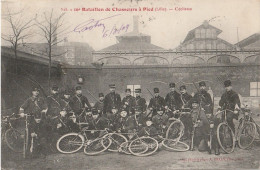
20, 30
50, 28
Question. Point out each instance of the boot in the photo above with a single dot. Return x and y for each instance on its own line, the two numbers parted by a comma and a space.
217, 150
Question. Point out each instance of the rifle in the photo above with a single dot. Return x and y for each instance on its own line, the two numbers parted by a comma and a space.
194, 128
153, 97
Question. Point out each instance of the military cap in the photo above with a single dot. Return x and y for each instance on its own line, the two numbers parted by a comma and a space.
183, 87
128, 90
138, 90
227, 83
172, 85
202, 83
55, 87
78, 88
112, 85
156, 90
35, 88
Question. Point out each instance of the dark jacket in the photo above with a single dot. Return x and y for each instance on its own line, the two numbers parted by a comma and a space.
140, 104
78, 103
55, 105
186, 100
129, 103
34, 105
112, 100
229, 100
206, 102
173, 100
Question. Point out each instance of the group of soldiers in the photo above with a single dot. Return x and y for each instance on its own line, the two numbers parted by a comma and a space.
59, 113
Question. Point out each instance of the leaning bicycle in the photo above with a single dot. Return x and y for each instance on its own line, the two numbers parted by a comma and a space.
225, 134
247, 129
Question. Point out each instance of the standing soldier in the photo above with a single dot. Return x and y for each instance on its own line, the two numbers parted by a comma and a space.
186, 118
156, 103
112, 102
173, 99
99, 105
79, 102
204, 98
230, 100
66, 99
128, 102
36, 107
185, 97
33, 105
140, 103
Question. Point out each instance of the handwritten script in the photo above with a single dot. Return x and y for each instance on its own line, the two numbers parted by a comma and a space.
93, 24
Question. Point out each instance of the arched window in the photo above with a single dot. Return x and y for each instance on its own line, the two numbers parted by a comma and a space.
223, 59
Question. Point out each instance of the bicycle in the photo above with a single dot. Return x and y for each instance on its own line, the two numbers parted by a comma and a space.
14, 138
247, 129
225, 134
139, 146
174, 133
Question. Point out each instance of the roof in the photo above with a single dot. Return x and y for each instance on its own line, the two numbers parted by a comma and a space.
191, 33
249, 40
132, 46
9, 52
134, 33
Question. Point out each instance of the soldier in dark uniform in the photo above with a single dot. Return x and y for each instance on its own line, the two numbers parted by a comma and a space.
204, 98
128, 102
230, 100
99, 105
37, 143
201, 126
140, 103
186, 118
139, 117
79, 103
34, 104
156, 103
173, 99
185, 97
112, 103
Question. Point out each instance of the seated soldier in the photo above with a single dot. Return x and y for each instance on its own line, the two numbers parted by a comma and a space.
160, 120
121, 122
200, 126
37, 141
150, 130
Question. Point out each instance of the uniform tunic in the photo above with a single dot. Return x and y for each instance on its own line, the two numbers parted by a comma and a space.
173, 100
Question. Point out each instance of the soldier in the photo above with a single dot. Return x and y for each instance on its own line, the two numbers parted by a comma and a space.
34, 104
55, 103
201, 126
186, 118
128, 102
112, 102
204, 98
140, 103
185, 97
156, 103
230, 100
79, 102
99, 105
173, 99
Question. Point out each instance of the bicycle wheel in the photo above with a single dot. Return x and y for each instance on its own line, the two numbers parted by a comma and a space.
175, 145
175, 130
226, 138
117, 140
257, 137
97, 146
124, 148
143, 146
246, 135
70, 143
14, 140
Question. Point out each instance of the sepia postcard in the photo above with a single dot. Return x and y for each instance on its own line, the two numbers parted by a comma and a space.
130, 84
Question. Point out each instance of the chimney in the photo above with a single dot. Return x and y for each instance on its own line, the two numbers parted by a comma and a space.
136, 29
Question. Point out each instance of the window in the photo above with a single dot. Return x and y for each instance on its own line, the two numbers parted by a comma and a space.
202, 33
254, 88
208, 33
133, 87
197, 33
